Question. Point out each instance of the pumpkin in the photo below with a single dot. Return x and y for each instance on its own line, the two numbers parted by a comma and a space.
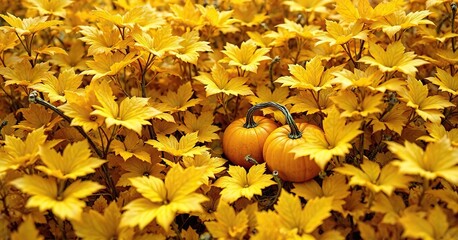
277, 155
246, 136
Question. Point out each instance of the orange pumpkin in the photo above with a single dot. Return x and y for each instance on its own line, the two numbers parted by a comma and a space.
277, 153
246, 136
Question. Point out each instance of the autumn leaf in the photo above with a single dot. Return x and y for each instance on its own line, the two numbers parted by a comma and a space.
393, 59
132, 146
221, 21
391, 206
37, 116
103, 40
376, 179
186, 147
445, 81
24, 74
354, 106
108, 64
228, 224
247, 57
437, 131
220, 82
143, 16
131, 113
399, 20
50, 7
162, 200
211, 165
242, 184
76, 161
157, 42
28, 26
191, 46
202, 124
394, 119
307, 6
305, 102
187, 14
27, 230
179, 100
296, 29
315, 77
56, 87
439, 159
138, 168
334, 140
265, 94
427, 107
45, 195
334, 186
337, 34
94, 225
434, 226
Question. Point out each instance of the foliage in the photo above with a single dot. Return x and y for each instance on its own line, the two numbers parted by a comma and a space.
112, 115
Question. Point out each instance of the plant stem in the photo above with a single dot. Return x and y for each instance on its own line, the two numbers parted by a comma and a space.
275, 60
454, 8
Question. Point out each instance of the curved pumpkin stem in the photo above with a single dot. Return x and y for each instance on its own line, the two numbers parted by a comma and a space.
250, 123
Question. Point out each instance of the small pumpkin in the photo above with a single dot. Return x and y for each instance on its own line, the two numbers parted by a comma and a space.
277, 147
246, 136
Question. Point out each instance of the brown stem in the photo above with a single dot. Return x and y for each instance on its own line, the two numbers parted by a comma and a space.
250, 123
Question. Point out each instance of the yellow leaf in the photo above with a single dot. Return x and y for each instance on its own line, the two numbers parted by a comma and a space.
108, 64
24, 74
27, 231
66, 205
191, 47
28, 26
163, 200
157, 42
186, 147
76, 161
103, 40
333, 141
392, 207
51, 7
212, 165
203, 125
179, 100
355, 106
56, 87
438, 160
139, 168
220, 82
228, 224
247, 57
393, 59
243, 184
427, 107
445, 81
398, 20
315, 212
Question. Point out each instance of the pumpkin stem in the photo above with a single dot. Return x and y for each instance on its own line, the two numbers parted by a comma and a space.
251, 160
250, 123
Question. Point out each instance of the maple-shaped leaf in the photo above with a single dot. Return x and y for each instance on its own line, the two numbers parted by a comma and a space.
448, 195
27, 230
314, 77
334, 140
157, 42
437, 131
179, 100
241, 183
56, 87
393, 59
74, 57
228, 224
186, 147
103, 40
18, 152
187, 14
143, 16
439, 159
362, 10
94, 225
220, 82
391, 206
247, 57
301, 31
355, 106
131, 113
415, 94
395, 119
138, 168
50, 7
162, 200
218, 21
305, 101
244, 14
399, 20
8, 40
371, 78
108, 64
28, 26
76, 161
46, 196
131, 146
24, 74
435, 226
334, 186
211, 165
374, 178
445, 81
202, 124
191, 46
79, 107
37, 116
303, 220
337, 34
265, 94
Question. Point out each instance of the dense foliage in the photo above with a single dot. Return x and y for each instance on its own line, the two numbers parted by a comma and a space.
112, 115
